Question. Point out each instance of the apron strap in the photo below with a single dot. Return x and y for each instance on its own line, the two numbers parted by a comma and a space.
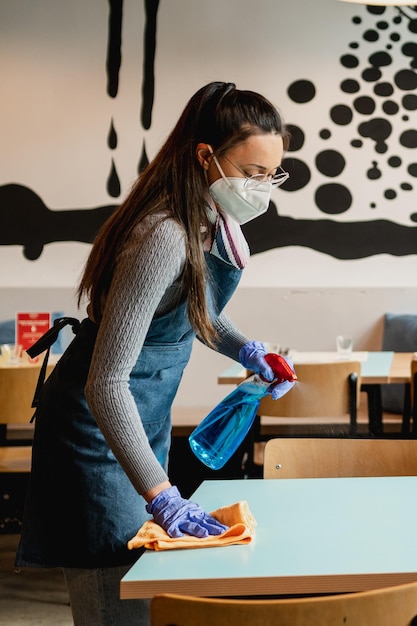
44, 343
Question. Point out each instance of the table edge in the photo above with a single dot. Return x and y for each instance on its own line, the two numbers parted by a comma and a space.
266, 586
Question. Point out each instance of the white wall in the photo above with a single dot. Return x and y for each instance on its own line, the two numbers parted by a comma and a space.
303, 318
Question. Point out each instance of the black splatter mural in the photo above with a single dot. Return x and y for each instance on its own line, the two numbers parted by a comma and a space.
374, 112
27, 220
113, 65
369, 101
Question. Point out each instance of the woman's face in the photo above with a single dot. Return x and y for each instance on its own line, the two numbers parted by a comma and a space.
258, 154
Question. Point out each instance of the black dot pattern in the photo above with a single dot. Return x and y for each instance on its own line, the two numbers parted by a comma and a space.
375, 93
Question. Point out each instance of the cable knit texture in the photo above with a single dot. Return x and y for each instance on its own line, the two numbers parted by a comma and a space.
143, 286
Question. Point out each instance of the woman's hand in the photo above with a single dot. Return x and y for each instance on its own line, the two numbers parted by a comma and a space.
179, 517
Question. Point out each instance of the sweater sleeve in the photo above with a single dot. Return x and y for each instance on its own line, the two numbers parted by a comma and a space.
145, 269
230, 339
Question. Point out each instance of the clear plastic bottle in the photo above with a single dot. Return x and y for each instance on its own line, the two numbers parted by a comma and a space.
220, 433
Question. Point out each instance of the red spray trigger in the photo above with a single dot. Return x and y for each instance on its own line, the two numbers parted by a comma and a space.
282, 370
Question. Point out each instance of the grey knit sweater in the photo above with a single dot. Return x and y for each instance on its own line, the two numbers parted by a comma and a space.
143, 285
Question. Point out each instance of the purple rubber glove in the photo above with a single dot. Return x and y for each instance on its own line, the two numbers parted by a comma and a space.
280, 389
179, 517
251, 356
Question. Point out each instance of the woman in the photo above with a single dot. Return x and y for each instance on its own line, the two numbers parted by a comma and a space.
160, 272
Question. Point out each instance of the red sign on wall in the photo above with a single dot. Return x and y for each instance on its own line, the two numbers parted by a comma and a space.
30, 327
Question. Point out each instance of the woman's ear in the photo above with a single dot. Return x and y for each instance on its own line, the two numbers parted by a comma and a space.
204, 155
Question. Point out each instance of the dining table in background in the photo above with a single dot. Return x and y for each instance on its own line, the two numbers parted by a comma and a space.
377, 368
324, 535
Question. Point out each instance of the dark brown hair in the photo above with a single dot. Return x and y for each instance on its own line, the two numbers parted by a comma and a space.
174, 183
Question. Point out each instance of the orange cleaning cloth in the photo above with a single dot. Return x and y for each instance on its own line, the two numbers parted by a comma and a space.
237, 516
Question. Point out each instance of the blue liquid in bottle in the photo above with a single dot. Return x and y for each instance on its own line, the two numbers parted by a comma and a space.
221, 432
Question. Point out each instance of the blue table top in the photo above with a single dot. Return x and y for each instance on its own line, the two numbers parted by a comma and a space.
374, 365
313, 536
377, 364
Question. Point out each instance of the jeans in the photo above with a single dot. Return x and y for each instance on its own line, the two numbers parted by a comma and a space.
95, 598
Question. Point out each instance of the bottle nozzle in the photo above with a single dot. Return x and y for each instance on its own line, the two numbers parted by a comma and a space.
281, 368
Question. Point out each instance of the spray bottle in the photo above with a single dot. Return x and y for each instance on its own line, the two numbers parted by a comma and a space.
221, 432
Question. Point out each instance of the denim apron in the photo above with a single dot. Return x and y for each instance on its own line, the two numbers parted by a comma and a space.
81, 509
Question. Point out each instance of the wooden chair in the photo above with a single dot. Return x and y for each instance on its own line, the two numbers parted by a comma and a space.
399, 335
326, 398
17, 386
339, 457
391, 606
323, 390
17, 389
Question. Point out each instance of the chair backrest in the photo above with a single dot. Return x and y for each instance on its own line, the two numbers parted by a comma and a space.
339, 457
385, 607
322, 390
7, 331
17, 387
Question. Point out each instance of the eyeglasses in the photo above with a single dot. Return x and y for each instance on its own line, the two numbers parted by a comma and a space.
252, 182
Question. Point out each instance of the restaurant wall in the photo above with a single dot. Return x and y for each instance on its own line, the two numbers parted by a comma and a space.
89, 92
307, 318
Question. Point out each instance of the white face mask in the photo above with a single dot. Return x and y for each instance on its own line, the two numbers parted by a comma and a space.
242, 204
